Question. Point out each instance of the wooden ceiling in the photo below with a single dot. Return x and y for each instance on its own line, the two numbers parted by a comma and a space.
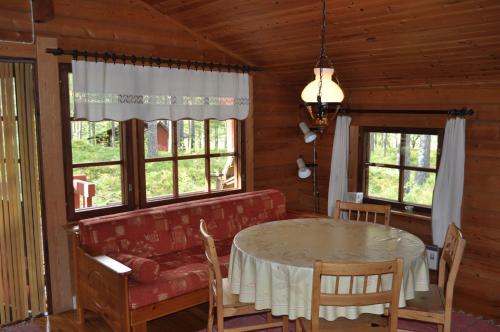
372, 43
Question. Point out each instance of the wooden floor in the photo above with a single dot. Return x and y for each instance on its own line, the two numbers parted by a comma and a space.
190, 320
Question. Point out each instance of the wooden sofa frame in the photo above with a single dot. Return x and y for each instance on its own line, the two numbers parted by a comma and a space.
101, 285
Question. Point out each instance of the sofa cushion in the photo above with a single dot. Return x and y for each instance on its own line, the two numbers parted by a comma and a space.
160, 230
143, 269
181, 272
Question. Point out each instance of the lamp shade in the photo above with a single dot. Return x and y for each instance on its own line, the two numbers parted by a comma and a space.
330, 91
309, 136
304, 171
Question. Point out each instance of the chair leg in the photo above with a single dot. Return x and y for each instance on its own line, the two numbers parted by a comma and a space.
269, 319
211, 313
285, 324
80, 315
441, 328
298, 327
220, 322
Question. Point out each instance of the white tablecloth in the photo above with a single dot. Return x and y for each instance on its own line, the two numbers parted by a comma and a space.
271, 264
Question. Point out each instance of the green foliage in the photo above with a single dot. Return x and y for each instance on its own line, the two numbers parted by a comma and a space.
383, 182
159, 175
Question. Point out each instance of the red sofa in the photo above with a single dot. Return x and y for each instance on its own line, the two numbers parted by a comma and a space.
140, 265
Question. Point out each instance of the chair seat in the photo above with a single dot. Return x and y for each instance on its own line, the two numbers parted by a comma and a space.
364, 323
426, 306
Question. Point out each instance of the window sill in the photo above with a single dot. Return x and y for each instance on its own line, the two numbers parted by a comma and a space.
414, 215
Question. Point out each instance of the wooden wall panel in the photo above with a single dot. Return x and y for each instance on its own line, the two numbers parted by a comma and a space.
478, 284
53, 193
277, 137
371, 42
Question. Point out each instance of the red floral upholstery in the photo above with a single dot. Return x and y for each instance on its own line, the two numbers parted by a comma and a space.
181, 272
144, 270
160, 230
170, 236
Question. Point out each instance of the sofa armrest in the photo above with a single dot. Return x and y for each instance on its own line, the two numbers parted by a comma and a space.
112, 264
102, 286
294, 214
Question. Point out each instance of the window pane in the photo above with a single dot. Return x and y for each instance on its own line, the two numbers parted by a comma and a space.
97, 186
222, 173
159, 179
383, 148
190, 137
192, 176
383, 182
157, 139
419, 187
95, 141
222, 136
421, 150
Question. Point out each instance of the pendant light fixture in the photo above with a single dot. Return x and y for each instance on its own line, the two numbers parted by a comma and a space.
324, 92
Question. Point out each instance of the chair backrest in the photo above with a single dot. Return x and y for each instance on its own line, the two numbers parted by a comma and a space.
451, 256
356, 285
214, 273
363, 212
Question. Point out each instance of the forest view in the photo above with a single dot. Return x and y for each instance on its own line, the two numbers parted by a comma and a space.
420, 151
100, 142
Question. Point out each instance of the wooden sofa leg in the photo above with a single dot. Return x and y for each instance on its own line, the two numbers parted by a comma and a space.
80, 315
142, 327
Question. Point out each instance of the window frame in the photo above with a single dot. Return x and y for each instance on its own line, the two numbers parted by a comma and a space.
125, 161
175, 158
401, 167
133, 163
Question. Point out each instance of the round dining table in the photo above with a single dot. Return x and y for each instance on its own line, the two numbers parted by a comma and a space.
271, 264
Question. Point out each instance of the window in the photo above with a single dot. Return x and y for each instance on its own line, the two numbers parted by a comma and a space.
400, 166
188, 157
116, 166
96, 163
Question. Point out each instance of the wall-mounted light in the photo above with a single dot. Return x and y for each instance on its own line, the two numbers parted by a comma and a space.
309, 136
304, 171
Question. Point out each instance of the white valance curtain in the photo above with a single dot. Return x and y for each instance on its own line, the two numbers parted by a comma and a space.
448, 191
106, 91
337, 189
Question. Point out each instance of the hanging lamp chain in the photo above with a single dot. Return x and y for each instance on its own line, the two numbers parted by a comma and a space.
323, 58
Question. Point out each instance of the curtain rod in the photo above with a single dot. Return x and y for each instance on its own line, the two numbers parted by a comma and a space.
453, 112
153, 61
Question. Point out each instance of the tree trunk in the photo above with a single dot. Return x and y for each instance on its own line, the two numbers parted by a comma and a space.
406, 176
372, 142
152, 139
113, 134
424, 158
192, 135
385, 144
180, 134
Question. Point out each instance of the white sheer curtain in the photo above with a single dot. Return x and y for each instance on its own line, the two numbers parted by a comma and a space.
122, 92
448, 191
337, 189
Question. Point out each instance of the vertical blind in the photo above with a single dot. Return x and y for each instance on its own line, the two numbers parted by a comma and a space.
22, 287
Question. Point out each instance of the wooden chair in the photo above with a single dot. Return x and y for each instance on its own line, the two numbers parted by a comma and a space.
435, 306
362, 212
225, 303
366, 322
